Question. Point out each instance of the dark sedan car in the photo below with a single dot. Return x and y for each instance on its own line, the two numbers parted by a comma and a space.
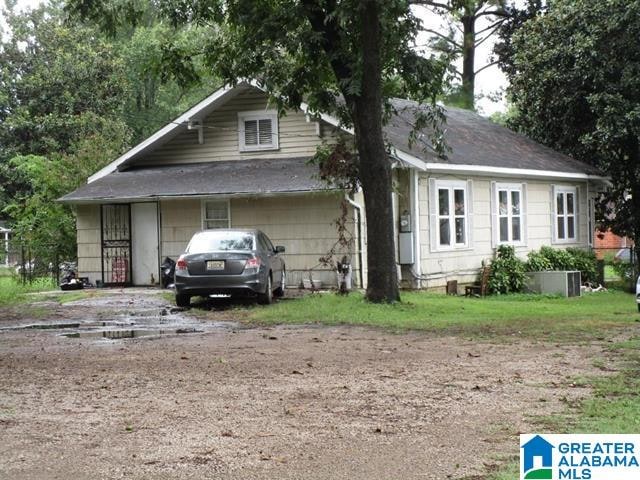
230, 262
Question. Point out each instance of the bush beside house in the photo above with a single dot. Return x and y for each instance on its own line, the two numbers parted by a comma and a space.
508, 272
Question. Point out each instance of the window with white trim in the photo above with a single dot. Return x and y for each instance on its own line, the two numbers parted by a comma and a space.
565, 212
509, 213
452, 220
257, 130
215, 214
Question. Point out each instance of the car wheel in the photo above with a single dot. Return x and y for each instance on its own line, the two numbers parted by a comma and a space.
267, 297
283, 285
183, 300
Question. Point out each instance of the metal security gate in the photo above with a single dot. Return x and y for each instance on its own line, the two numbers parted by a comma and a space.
116, 244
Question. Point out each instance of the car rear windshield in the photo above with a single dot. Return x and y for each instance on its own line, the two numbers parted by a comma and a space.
220, 241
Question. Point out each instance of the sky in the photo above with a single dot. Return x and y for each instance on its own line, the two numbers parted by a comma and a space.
488, 82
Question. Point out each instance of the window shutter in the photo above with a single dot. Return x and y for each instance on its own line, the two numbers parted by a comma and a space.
469, 213
251, 132
524, 212
554, 227
433, 215
494, 214
265, 132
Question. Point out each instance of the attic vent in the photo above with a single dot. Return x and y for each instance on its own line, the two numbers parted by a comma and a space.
257, 131
251, 132
264, 132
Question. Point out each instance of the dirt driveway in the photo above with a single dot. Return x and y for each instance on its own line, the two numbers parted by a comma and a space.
228, 402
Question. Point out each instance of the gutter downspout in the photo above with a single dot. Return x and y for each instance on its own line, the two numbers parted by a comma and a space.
358, 209
416, 271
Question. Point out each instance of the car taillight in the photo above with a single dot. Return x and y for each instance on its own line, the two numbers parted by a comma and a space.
181, 265
252, 263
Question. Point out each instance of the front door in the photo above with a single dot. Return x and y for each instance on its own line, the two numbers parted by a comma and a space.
144, 243
116, 244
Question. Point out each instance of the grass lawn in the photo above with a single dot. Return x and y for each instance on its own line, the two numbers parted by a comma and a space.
12, 291
529, 315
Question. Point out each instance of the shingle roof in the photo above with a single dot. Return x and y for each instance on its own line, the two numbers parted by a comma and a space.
475, 140
257, 176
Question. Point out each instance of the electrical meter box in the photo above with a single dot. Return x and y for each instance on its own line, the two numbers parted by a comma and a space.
405, 248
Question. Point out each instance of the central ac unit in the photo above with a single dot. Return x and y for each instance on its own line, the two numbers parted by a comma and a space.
565, 283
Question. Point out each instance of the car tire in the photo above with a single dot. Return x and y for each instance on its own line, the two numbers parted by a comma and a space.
639, 308
279, 292
267, 297
183, 300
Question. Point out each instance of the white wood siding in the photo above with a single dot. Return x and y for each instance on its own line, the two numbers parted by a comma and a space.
297, 137
463, 264
304, 224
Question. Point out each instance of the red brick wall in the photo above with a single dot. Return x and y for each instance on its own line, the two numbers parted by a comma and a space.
608, 240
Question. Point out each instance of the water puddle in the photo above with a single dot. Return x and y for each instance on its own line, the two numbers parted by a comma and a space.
132, 323
120, 334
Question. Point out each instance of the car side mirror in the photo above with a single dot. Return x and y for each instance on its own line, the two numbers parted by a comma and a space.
279, 249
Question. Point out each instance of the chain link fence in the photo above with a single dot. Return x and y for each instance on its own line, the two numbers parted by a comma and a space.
618, 266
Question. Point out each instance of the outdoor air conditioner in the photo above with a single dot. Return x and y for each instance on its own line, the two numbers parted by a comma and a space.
565, 283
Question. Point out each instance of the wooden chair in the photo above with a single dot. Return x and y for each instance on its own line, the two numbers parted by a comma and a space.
479, 289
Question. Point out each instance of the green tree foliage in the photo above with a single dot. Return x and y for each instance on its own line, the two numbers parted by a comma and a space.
342, 57
71, 100
575, 84
155, 96
518, 13
57, 89
64, 91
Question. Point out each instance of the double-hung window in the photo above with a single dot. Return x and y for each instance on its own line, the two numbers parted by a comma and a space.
565, 213
215, 214
450, 208
257, 130
509, 213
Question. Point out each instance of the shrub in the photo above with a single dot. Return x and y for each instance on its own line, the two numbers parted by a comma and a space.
557, 259
537, 262
585, 261
507, 272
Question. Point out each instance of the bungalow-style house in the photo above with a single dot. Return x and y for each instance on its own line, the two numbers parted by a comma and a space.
232, 161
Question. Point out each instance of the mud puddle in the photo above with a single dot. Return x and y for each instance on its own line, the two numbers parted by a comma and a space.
121, 334
131, 323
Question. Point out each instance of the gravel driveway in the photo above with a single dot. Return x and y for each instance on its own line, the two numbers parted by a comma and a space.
223, 401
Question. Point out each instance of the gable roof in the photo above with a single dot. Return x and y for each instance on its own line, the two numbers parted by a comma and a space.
236, 177
477, 145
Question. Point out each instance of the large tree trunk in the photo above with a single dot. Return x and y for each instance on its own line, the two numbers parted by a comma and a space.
468, 59
375, 167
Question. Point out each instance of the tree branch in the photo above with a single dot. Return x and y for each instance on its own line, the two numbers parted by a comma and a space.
431, 3
444, 37
492, 26
477, 43
490, 64
497, 13
479, 7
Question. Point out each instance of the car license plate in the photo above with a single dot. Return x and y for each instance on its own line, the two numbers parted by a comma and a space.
215, 264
